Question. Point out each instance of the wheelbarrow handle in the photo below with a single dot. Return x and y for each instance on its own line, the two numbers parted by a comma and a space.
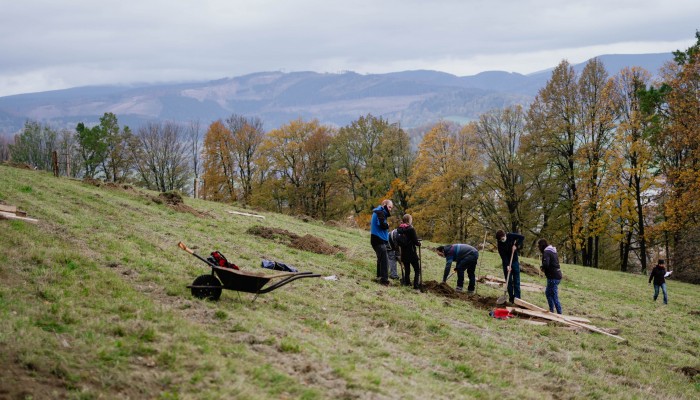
183, 247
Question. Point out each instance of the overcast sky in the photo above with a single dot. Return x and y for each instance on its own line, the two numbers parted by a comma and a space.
52, 44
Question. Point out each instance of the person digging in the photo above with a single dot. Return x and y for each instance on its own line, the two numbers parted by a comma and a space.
408, 242
466, 257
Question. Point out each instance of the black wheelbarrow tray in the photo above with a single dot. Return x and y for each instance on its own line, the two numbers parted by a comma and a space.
209, 286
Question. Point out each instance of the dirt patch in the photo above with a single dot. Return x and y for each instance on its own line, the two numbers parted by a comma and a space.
22, 380
691, 372
445, 290
314, 245
307, 242
696, 313
275, 234
93, 181
174, 200
530, 269
19, 165
171, 198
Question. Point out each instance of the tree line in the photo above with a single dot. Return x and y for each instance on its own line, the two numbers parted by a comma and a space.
604, 166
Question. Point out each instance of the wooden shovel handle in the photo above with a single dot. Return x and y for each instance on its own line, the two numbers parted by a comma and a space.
183, 247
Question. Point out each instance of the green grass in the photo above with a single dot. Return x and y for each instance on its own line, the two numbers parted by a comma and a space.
94, 304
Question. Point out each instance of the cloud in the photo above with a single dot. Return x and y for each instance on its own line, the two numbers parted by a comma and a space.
50, 45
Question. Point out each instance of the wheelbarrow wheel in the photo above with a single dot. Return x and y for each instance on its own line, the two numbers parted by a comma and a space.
212, 292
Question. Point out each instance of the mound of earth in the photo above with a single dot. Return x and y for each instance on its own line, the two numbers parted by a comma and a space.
174, 200
307, 242
313, 244
530, 269
171, 198
445, 290
689, 371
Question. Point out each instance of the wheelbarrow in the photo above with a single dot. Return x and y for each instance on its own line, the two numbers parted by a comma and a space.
209, 286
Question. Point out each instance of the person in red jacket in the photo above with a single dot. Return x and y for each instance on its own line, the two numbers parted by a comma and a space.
409, 258
659, 274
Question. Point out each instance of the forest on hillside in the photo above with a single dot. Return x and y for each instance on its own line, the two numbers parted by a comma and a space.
605, 167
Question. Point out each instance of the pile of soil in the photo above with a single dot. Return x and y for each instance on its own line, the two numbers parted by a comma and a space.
445, 290
171, 198
691, 372
112, 185
530, 269
174, 200
92, 181
307, 242
276, 234
314, 245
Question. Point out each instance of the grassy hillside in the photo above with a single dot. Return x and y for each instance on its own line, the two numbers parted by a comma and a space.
94, 304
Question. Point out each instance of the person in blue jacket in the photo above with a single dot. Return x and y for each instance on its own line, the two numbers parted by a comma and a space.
379, 238
508, 244
466, 257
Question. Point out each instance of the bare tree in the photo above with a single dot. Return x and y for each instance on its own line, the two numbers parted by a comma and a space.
499, 133
160, 155
248, 135
4, 149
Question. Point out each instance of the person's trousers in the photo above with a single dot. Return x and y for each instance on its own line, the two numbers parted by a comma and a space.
514, 283
392, 257
382, 261
552, 293
408, 262
469, 265
663, 289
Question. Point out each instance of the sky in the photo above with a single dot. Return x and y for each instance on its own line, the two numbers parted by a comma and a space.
48, 44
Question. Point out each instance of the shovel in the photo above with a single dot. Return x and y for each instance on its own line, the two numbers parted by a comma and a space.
483, 246
420, 270
502, 299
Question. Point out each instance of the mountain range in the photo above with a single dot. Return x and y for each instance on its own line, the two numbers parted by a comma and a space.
412, 98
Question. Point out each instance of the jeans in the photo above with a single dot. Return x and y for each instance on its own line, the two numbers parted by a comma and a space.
514, 283
552, 293
468, 264
408, 262
382, 261
393, 273
663, 288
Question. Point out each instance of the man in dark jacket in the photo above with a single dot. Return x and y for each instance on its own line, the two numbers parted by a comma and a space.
408, 241
551, 269
379, 237
466, 258
659, 274
508, 245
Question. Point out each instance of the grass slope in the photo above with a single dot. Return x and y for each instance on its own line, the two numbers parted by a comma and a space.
94, 304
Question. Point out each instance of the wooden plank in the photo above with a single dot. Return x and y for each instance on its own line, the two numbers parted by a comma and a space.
8, 208
530, 306
492, 279
557, 318
246, 214
8, 215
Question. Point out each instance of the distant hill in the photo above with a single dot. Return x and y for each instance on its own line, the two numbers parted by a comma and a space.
413, 98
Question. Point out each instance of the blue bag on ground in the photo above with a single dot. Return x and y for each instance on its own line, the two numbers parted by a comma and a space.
278, 266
